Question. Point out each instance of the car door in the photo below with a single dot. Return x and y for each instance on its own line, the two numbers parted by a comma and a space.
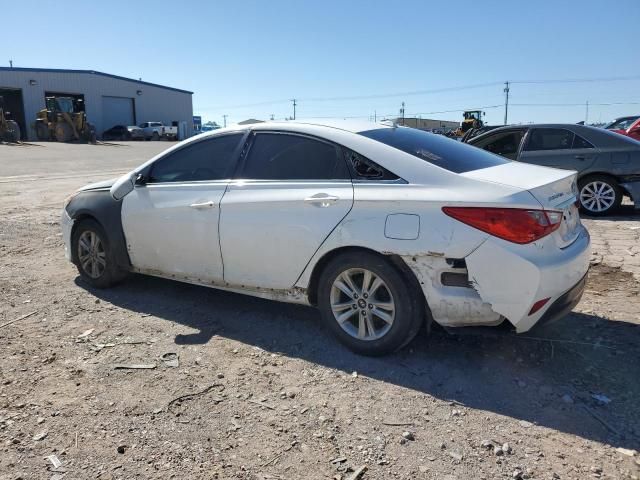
170, 219
559, 148
505, 143
291, 192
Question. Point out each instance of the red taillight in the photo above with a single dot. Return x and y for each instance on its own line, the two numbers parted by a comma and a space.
538, 305
513, 224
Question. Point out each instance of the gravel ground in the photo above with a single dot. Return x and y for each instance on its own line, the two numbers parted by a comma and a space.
250, 389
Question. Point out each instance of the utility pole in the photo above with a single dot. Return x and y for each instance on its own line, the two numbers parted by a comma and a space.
272, 116
402, 113
225, 119
506, 102
375, 116
10, 63
294, 107
586, 116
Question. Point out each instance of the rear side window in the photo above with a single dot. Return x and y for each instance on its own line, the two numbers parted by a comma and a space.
579, 142
276, 156
441, 151
210, 159
505, 144
365, 169
549, 139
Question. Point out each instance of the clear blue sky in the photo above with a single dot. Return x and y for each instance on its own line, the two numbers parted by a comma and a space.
247, 52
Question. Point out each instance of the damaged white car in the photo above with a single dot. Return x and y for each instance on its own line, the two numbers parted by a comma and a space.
383, 228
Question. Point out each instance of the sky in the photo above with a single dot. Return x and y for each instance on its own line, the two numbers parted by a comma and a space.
350, 58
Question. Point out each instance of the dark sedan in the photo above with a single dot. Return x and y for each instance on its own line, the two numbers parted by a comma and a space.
608, 164
121, 132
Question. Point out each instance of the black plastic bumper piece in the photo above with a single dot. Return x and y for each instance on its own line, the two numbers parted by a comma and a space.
563, 305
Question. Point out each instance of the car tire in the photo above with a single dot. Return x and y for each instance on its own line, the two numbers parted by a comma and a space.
393, 321
155, 136
599, 195
90, 244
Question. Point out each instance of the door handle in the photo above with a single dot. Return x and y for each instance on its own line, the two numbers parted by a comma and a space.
203, 205
579, 157
321, 199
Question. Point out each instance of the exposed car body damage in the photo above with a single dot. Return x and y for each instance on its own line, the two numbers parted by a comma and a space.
451, 306
290, 295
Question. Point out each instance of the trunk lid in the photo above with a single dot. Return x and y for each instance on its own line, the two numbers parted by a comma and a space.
553, 188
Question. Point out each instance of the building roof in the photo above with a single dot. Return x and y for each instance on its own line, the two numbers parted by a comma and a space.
89, 72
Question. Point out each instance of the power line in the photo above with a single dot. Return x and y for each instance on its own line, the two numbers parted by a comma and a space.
571, 104
401, 94
580, 80
426, 92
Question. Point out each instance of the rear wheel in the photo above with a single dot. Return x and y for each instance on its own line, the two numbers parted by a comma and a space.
155, 136
93, 257
369, 304
599, 195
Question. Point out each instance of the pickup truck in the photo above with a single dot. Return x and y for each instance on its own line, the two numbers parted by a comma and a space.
156, 131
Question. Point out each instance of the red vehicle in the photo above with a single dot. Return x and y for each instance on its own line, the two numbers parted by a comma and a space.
628, 126
633, 131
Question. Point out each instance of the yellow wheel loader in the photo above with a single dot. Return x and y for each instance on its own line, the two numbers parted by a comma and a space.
9, 129
63, 121
472, 121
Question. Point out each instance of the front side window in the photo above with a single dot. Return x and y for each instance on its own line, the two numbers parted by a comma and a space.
549, 139
276, 156
505, 144
438, 150
210, 159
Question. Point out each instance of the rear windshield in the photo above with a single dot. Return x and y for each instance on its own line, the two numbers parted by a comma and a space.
441, 151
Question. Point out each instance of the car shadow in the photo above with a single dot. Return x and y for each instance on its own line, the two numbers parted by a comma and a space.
547, 377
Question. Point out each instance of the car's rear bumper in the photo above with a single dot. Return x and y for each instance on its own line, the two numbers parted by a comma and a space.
564, 304
513, 278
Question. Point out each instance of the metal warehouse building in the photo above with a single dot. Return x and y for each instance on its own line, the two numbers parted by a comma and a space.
108, 99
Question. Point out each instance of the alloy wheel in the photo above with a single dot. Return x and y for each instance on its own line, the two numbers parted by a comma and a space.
91, 254
362, 304
597, 196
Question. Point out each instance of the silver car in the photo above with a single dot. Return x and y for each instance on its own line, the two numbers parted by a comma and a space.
608, 164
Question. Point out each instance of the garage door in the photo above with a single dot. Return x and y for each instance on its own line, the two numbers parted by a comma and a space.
117, 111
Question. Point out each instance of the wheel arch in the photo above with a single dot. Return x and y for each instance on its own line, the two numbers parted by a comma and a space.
318, 268
98, 206
598, 173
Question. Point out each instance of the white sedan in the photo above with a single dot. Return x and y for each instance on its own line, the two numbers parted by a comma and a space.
383, 228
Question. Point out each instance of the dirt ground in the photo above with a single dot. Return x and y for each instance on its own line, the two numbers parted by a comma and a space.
261, 391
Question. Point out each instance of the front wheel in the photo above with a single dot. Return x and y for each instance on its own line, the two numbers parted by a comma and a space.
93, 257
599, 195
13, 131
369, 304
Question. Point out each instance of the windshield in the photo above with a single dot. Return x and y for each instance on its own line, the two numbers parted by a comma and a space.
441, 151
65, 105
621, 124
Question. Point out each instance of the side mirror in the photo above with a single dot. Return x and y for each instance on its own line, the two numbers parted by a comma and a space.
123, 186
